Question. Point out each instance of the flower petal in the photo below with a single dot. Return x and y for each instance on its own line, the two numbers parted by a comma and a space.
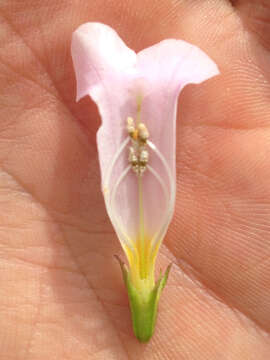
117, 79
102, 65
166, 67
98, 52
176, 61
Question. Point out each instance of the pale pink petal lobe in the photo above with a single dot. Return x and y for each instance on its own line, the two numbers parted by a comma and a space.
98, 51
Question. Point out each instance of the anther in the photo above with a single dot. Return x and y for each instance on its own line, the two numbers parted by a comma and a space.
138, 156
143, 157
132, 157
143, 133
130, 127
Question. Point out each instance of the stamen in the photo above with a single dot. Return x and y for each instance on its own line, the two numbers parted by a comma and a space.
143, 133
144, 156
130, 127
138, 154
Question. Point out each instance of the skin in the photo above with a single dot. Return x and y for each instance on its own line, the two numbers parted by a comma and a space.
61, 291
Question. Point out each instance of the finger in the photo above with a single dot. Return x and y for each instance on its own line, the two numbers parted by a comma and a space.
255, 15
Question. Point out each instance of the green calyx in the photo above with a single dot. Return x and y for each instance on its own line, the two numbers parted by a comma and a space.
143, 303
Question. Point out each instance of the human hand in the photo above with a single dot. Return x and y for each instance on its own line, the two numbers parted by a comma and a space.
62, 295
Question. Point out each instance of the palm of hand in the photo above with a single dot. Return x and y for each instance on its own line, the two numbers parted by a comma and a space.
62, 295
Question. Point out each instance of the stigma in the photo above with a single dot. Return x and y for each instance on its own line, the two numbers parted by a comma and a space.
138, 154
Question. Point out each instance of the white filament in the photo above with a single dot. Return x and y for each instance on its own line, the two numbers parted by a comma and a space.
114, 218
111, 203
167, 218
159, 179
115, 158
115, 187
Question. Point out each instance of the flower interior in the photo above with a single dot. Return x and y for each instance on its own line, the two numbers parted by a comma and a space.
141, 250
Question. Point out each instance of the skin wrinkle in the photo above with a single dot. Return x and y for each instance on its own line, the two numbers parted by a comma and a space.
32, 52
28, 349
77, 226
219, 184
226, 127
57, 95
243, 237
21, 184
193, 274
82, 273
24, 186
231, 230
255, 18
35, 325
258, 264
36, 319
212, 290
97, 297
35, 264
17, 72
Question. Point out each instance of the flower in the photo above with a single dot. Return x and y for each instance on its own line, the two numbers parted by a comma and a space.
137, 96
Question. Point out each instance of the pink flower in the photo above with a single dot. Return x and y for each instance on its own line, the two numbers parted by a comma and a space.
137, 96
